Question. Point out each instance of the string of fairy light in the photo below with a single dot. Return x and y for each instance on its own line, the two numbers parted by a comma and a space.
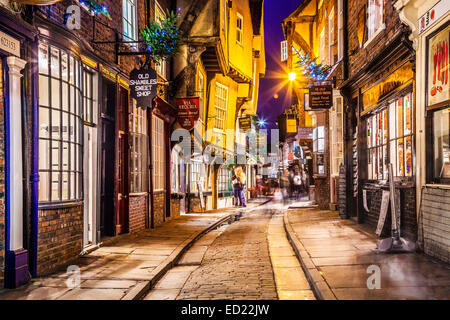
311, 69
96, 8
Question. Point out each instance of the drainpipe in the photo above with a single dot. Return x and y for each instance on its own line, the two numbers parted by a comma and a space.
34, 163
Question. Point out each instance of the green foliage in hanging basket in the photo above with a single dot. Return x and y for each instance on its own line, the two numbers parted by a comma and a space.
162, 38
96, 8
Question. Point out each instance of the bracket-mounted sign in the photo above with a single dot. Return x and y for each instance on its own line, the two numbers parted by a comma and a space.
143, 86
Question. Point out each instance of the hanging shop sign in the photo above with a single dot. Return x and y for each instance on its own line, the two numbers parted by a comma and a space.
305, 133
320, 97
188, 111
245, 123
9, 44
394, 78
291, 125
143, 86
438, 88
432, 15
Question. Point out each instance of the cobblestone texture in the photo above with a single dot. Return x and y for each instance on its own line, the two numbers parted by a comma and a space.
236, 266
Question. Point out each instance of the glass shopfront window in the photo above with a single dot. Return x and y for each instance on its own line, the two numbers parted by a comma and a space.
391, 128
138, 149
441, 144
60, 125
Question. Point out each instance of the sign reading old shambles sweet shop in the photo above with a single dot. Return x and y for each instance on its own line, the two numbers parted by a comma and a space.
188, 111
320, 97
143, 86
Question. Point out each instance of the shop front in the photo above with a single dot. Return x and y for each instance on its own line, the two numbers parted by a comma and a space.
430, 25
17, 40
385, 134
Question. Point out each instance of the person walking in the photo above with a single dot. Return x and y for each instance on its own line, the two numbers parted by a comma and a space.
237, 186
298, 184
242, 179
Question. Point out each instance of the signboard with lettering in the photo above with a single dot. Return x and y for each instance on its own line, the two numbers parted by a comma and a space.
305, 133
143, 86
245, 124
188, 111
291, 125
9, 44
438, 89
433, 15
320, 97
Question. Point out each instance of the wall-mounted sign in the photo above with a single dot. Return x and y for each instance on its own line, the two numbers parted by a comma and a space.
9, 44
143, 86
188, 111
438, 89
305, 133
389, 80
433, 15
320, 97
245, 123
291, 125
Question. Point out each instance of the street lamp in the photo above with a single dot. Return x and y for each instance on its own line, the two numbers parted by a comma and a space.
261, 123
292, 76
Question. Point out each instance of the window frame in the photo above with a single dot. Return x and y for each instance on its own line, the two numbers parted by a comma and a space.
72, 112
331, 41
239, 29
284, 51
130, 26
161, 66
158, 153
223, 179
222, 111
372, 34
138, 146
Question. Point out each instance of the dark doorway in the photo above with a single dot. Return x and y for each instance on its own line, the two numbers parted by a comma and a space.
108, 161
122, 179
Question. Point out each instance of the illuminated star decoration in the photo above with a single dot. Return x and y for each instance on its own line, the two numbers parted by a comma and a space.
312, 70
96, 8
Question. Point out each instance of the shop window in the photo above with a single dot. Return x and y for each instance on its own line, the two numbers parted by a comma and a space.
239, 28
129, 21
138, 149
390, 140
220, 104
195, 176
158, 151
175, 170
60, 125
401, 136
377, 139
441, 144
224, 181
336, 136
160, 66
89, 102
374, 18
319, 139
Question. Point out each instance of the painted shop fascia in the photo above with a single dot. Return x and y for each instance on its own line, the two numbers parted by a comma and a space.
379, 101
17, 217
429, 22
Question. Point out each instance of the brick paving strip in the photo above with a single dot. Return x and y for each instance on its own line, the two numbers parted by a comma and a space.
290, 280
335, 255
129, 265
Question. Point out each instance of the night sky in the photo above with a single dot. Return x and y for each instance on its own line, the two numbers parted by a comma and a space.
274, 83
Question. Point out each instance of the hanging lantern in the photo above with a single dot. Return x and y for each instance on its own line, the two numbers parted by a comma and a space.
37, 2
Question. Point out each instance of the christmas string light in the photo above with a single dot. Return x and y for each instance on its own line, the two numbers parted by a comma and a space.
96, 8
312, 70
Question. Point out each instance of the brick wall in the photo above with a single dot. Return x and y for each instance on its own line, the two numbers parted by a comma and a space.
358, 57
435, 222
2, 177
158, 208
138, 210
408, 220
60, 237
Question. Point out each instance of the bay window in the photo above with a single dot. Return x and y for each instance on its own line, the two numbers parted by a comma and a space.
390, 139
138, 148
158, 153
60, 125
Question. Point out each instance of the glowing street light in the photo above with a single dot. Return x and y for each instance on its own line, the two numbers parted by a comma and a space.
292, 76
261, 123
